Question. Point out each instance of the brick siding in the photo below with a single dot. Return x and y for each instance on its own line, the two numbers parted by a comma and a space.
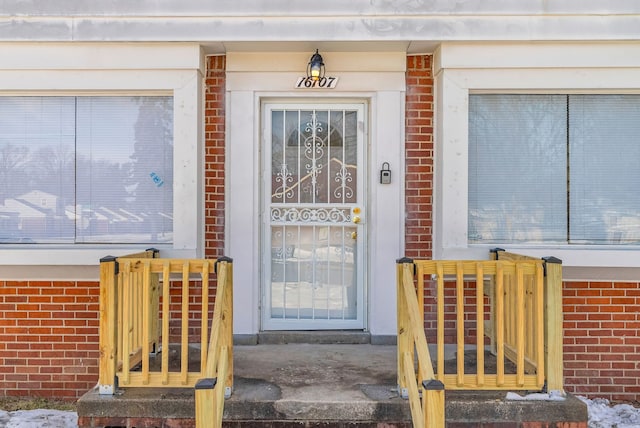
601, 339
419, 157
450, 316
48, 338
214, 137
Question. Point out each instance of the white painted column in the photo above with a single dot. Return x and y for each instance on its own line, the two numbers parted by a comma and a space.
386, 227
241, 201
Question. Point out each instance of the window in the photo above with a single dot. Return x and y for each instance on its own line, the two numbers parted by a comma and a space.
88, 169
554, 169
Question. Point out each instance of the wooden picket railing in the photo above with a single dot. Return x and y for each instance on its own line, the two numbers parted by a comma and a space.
136, 310
114, 340
550, 328
515, 306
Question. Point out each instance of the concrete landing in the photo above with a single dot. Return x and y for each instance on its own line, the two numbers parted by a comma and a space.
291, 385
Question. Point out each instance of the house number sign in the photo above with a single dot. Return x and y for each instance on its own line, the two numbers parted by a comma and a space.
321, 83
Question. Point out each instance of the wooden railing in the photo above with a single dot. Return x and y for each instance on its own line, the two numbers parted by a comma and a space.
145, 306
428, 412
114, 340
514, 305
551, 327
217, 381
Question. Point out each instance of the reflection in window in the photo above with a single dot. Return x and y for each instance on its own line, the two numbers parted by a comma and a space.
86, 169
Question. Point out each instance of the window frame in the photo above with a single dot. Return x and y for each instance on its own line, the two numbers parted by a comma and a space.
464, 69
121, 70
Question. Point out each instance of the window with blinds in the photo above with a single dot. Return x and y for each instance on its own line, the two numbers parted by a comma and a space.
554, 169
86, 169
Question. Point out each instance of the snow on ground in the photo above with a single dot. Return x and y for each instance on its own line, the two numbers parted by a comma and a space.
601, 415
40, 418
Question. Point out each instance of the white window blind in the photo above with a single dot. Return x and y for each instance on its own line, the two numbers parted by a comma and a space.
86, 169
554, 169
517, 168
604, 148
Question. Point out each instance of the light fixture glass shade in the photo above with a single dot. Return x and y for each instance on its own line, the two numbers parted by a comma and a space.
315, 68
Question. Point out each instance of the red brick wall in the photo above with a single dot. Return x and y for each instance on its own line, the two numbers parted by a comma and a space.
470, 328
602, 339
214, 135
419, 157
48, 338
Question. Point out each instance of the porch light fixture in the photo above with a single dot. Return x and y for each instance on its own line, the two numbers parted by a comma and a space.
315, 68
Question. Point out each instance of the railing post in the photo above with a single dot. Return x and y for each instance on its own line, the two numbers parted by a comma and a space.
404, 340
107, 327
494, 254
205, 402
152, 253
433, 404
154, 304
227, 320
554, 361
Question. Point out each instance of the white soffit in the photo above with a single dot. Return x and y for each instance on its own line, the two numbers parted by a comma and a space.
224, 22
233, 8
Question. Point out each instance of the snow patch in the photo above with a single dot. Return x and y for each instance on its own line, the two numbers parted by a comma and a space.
603, 415
38, 419
537, 396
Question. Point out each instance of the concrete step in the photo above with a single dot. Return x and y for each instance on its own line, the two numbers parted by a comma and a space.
175, 408
319, 385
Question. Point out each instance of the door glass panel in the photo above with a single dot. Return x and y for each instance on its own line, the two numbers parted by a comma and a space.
312, 272
314, 156
313, 174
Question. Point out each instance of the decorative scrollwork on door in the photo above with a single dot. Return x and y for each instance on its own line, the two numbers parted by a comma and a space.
314, 157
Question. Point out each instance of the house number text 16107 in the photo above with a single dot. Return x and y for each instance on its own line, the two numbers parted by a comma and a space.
321, 83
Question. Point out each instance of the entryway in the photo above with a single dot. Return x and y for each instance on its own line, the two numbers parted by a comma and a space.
313, 216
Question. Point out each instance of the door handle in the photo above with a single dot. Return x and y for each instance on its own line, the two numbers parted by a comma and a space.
356, 219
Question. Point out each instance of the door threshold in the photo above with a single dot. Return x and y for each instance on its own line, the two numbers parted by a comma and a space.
317, 337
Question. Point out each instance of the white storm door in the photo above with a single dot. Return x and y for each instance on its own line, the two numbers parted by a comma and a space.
313, 219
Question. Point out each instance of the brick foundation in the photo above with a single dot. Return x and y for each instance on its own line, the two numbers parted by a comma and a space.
111, 422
